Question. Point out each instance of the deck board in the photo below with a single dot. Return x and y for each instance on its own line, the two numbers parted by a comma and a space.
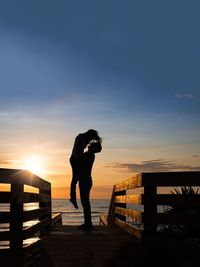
105, 247
69, 246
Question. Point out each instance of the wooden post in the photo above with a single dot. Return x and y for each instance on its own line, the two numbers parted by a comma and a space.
16, 212
150, 209
111, 215
47, 216
16, 223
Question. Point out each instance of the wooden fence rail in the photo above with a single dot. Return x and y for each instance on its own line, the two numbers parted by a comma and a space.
143, 218
21, 227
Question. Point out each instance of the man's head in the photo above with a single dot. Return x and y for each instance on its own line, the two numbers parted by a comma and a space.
95, 147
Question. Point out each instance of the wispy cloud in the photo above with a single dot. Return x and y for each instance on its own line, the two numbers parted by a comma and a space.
191, 96
8, 163
158, 165
7, 114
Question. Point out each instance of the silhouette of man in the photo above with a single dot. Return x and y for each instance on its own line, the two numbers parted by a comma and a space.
85, 183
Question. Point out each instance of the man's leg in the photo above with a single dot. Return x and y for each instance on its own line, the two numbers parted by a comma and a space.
85, 201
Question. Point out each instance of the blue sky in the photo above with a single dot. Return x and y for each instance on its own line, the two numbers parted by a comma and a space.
127, 68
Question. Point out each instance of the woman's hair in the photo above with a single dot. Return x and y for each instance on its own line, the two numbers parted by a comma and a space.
93, 135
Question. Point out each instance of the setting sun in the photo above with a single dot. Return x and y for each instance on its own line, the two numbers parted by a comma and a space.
34, 164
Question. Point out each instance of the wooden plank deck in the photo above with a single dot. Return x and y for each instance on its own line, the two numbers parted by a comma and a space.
69, 246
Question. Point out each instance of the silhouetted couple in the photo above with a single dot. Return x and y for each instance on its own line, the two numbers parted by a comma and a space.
81, 163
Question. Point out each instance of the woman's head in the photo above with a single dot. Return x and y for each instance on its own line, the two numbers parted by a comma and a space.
93, 135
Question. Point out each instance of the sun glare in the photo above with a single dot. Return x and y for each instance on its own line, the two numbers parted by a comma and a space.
34, 164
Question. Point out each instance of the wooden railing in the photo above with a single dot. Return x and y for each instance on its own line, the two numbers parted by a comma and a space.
23, 226
144, 219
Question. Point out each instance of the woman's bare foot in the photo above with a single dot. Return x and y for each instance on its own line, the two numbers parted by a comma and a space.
73, 201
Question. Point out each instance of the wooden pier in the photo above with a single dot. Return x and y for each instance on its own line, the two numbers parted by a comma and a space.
69, 246
124, 238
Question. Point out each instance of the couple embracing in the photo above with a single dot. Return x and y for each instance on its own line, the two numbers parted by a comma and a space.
81, 163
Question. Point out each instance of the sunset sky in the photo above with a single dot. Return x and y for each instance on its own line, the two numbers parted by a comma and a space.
129, 69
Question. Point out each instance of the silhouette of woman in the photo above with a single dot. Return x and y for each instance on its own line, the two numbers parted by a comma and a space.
85, 183
76, 159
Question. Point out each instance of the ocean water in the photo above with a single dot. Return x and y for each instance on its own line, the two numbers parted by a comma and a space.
72, 216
